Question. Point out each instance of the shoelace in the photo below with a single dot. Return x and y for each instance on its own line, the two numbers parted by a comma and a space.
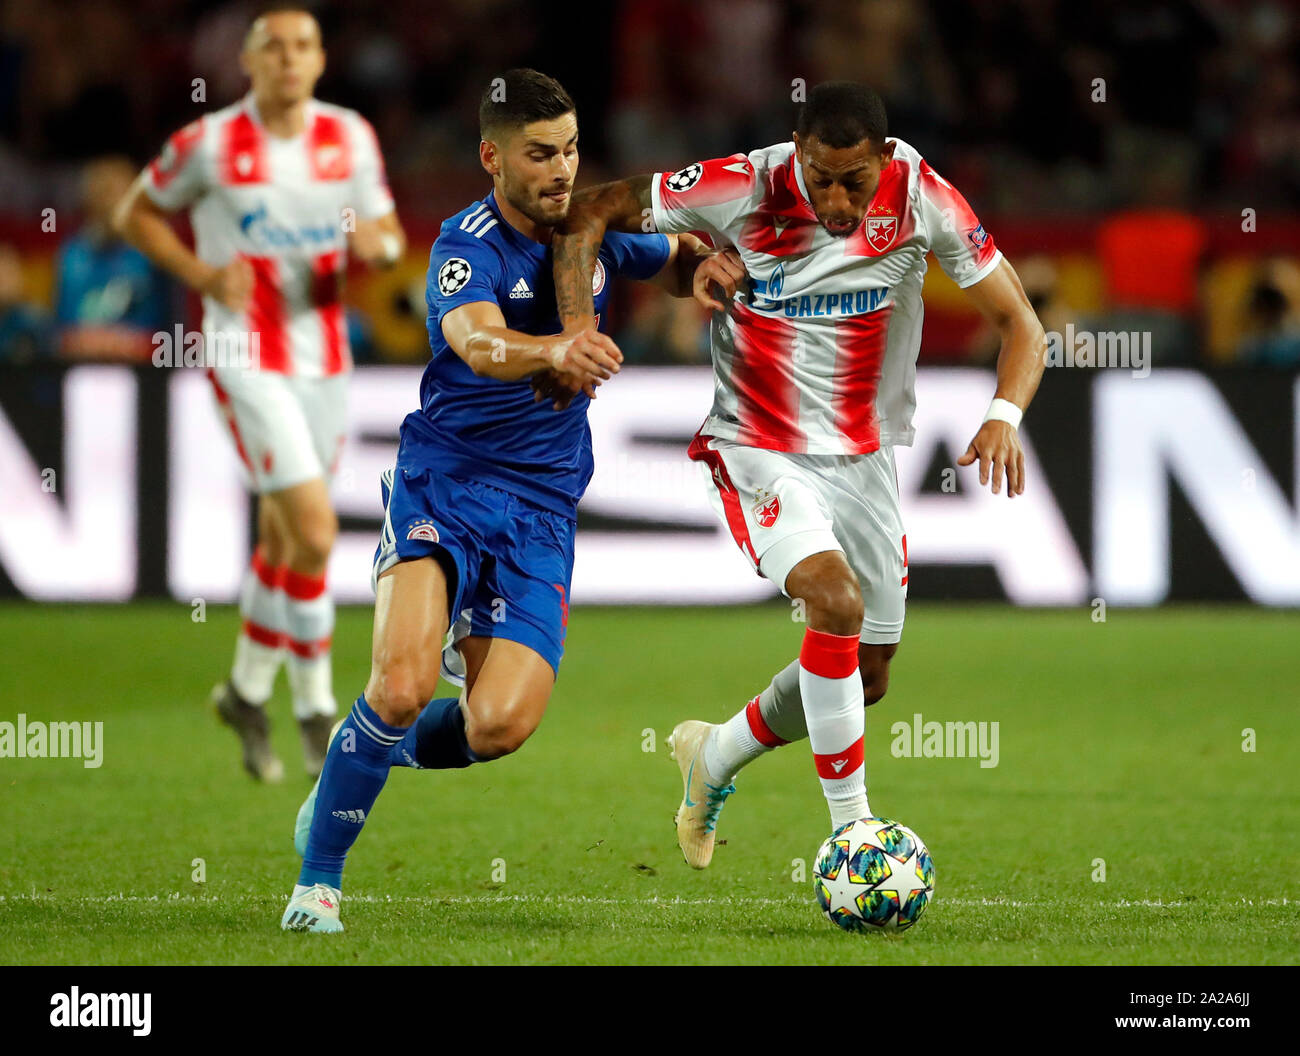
713, 801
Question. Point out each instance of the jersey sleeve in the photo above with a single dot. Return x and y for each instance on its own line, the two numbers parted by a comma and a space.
636, 256
462, 270
958, 240
709, 196
371, 196
177, 177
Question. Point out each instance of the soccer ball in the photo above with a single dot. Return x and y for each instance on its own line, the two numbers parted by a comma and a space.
873, 875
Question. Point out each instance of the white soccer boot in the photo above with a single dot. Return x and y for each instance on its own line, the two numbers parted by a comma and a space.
703, 796
316, 909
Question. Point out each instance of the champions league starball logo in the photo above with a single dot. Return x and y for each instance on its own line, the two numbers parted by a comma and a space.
685, 179
453, 275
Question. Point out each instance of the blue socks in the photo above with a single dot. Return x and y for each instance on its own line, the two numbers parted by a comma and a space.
437, 740
355, 770
360, 756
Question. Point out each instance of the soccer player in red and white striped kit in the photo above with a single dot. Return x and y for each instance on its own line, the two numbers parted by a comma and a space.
824, 242
281, 188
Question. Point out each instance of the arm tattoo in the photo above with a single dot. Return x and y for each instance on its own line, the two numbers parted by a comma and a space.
622, 206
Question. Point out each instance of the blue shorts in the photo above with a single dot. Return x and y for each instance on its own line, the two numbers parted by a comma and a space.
509, 562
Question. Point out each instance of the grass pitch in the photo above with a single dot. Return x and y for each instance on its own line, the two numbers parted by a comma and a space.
1119, 741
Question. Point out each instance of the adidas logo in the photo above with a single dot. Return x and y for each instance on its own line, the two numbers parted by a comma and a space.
299, 920
521, 292
357, 816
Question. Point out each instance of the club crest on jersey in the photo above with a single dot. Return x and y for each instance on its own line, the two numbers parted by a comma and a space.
766, 511
598, 278
685, 179
881, 231
424, 531
453, 275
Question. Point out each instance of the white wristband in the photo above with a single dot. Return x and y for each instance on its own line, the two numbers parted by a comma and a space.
1004, 411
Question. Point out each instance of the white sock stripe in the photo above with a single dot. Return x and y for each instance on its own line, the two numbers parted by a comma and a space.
371, 731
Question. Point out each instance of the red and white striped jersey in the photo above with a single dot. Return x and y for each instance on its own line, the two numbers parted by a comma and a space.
281, 204
819, 354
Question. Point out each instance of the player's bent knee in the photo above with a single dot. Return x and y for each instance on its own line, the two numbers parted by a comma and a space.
312, 542
494, 732
835, 607
874, 686
492, 741
398, 693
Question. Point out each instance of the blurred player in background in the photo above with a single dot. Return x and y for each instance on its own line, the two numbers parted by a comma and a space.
281, 188
814, 364
481, 508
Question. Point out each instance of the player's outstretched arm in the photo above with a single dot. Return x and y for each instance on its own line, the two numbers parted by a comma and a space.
1001, 299
477, 332
620, 206
148, 228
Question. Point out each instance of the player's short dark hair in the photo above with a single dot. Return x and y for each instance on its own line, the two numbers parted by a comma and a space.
266, 10
842, 114
518, 97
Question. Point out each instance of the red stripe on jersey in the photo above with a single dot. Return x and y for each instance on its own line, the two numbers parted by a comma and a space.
829, 655
716, 181
308, 650
859, 356
759, 728
329, 151
326, 299
163, 169
950, 200
228, 413
699, 451
904, 583
840, 764
263, 635
266, 316
784, 223
763, 377
243, 152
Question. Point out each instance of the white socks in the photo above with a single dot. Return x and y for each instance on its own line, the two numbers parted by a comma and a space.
831, 689
738, 741
309, 626
260, 646
285, 615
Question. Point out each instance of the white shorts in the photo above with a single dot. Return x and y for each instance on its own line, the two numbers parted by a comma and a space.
782, 507
286, 429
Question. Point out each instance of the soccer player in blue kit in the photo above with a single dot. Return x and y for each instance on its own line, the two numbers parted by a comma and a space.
480, 509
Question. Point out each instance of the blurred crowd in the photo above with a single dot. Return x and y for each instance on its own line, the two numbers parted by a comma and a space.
1141, 120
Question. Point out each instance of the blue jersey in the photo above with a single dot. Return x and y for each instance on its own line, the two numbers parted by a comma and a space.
494, 431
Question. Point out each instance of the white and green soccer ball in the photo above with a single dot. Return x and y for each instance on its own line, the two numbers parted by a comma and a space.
873, 875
